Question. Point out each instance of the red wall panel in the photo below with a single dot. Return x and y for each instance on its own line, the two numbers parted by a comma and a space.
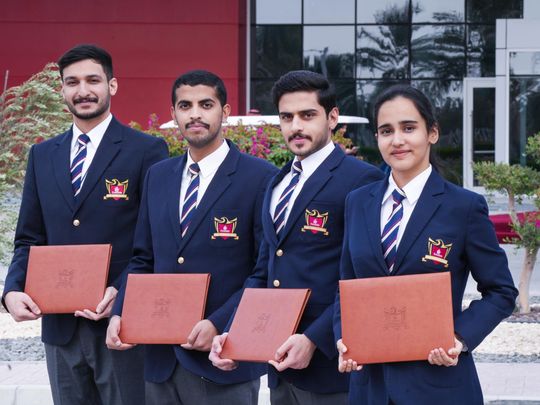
151, 44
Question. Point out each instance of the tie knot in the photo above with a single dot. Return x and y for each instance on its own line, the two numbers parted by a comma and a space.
83, 139
397, 196
297, 167
194, 169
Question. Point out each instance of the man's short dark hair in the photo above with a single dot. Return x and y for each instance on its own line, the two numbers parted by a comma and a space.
305, 80
201, 77
87, 51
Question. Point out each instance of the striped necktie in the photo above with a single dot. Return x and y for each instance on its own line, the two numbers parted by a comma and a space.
283, 202
190, 199
390, 231
77, 164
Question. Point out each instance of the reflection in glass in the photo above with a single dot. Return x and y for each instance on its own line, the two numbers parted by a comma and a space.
483, 131
487, 11
276, 50
524, 63
438, 11
382, 51
524, 117
382, 11
261, 97
447, 98
329, 50
346, 96
480, 50
329, 12
278, 11
438, 51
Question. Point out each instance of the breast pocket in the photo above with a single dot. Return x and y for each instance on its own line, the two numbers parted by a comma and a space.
321, 222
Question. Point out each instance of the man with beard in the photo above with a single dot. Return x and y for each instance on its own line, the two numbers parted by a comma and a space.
66, 201
303, 229
177, 232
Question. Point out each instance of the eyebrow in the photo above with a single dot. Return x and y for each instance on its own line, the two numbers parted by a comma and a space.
311, 110
400, 122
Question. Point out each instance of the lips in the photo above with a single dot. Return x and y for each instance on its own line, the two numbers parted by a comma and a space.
85, 100
298, 137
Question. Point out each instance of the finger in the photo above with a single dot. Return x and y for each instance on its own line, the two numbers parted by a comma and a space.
341, 346
281, 366
283, 350
31, 305
193, 335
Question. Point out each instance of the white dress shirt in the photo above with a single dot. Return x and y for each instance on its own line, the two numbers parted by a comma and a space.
208, 168
412, 191
309, 165
95, 135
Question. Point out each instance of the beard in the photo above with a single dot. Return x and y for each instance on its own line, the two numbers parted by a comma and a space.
201, 140
101, 109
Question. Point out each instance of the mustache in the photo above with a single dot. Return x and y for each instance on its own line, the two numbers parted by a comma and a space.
298, 136
85, 100
197, 122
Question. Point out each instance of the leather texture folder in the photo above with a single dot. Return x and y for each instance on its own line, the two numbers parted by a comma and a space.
265, 318
396, 318
64, 279
162, 308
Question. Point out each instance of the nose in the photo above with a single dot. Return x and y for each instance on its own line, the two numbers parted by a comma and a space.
296, 124
195, 112
398, 138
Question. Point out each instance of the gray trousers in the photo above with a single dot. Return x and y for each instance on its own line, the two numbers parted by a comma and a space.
186, 388
85, 372
287, 394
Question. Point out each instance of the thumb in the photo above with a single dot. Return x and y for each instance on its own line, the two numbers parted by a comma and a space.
282, 350
32, 306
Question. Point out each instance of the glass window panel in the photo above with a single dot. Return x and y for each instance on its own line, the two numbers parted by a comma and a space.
524, 118
346, 96
276, 50
329, 50
524, 63
382, 11
437, 51
329, 12
278, 11
487, 11
261, 97
480, 50
382, 51
438, 11
447, 98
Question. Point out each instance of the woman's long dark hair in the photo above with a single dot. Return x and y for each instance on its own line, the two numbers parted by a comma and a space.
423, 106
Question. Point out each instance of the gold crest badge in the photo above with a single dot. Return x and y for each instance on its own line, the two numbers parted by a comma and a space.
315, 222
225, 228
438, 251
116, 189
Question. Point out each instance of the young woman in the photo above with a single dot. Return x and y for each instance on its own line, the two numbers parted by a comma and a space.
420, 205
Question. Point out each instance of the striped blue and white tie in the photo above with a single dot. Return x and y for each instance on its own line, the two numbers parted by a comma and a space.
190, 199
77, 164
283, 202
390, 231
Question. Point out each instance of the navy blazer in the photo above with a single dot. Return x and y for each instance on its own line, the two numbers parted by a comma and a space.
236, 192
307, 258
48, 209
456, 216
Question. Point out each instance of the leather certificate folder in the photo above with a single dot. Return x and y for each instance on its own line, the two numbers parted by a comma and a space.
65, 279
265, 318
396, 318
162, 308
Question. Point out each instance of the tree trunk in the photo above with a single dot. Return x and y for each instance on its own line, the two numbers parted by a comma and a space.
525, 279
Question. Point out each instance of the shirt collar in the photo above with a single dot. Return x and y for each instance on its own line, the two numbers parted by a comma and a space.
95, 134
210, 163
313, 161
412, 189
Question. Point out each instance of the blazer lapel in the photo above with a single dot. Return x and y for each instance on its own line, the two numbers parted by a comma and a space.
108, 148
174, 183
312, 187
428, 203
216, 188
60, 162
372, 210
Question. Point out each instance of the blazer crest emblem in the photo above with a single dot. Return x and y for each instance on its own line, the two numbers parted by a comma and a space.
315, 222
437, 252
225, 228
116, 189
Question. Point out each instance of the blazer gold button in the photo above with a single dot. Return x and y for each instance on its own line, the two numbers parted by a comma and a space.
76, 222
279, 252
276, 283
180, 260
